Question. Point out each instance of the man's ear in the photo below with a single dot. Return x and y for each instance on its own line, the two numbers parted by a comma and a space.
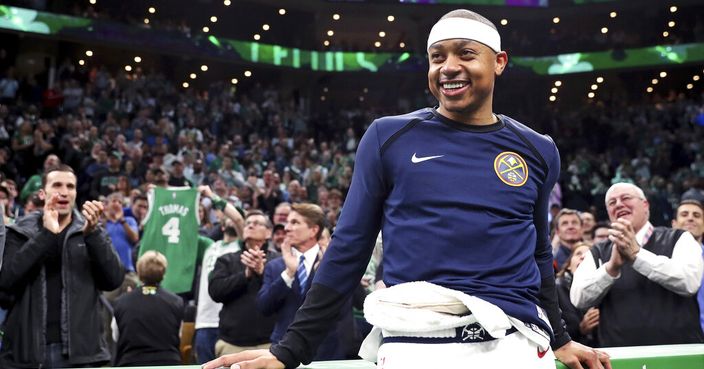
501, 62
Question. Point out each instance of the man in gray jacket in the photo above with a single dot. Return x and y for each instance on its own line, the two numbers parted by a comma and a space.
55, 263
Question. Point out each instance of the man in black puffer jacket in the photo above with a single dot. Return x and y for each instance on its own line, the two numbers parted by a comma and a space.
55, 264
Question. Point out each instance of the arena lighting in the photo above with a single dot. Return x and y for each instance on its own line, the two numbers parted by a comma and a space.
322, 98
146, 20
382, 34
649, 89
552, 98
213, 19
234, 81
594, 87
227, 2
604, 30
92, 2
152, 10
193, 76
377, 44
336, 16
591, 95
128, 68
554, 90
206, 29
81, 62
558, 83
185, 85
599, 79
671, 24
361, 98
247, 73
665, 34
282, 11
673, 9
204, 68
504, 22
695, 77
330, 32
654, 81
613, 14
690, 86
402, 45
556, 20
265, 27
390, 18
326, 43
89, 53
663, 74
366, 90
257, 36
137, 59
325, 89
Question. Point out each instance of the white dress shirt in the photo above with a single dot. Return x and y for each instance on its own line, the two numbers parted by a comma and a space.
310, 256
681, 274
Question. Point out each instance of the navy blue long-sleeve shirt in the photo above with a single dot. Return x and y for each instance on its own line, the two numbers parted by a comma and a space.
464, 207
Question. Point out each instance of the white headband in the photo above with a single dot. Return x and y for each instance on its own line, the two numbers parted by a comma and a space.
450, 28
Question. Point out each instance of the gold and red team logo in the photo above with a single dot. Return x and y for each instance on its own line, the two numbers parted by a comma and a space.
511, 169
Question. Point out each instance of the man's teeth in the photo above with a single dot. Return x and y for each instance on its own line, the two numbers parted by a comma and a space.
453, 85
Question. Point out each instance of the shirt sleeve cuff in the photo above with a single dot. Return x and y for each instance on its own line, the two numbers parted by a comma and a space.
604, 279
288, 280
644, 262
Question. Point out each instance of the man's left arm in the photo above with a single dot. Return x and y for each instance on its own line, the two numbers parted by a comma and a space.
681, 274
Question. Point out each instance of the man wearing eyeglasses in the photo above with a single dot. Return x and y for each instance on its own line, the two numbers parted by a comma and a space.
643, 279
235, 281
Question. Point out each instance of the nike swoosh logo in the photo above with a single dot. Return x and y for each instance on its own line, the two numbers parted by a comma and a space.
541, 353
417, 160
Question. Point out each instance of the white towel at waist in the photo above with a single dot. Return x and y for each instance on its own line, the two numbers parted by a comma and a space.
424, 309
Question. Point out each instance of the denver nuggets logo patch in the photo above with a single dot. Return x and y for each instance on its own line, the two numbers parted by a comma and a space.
511, 169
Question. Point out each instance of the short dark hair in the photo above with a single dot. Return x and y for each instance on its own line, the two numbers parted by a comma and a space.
140, 197
468, 14
602, 224
57, 168
251, 213
689, 202
313, 215
566, 211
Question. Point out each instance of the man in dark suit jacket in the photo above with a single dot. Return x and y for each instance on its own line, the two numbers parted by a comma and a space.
288, 278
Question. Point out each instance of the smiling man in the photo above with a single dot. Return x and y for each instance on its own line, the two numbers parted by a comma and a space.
643, 279
55, 264
460, 194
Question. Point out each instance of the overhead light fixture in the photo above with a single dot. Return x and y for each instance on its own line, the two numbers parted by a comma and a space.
265, 27
665, 34
89, 53
613, 14
128, 68
649, 89
558, 83
552, 98
322, 98
227, 2
390, 18
599, 79
193, 76
152, 10
336, 16
137, 59
604, 30
365, 90
325, 89
213, 19
402, 45
92, 2
326, 43
146, 20
361, 98
594, 87
377, 44
330, 32
556, 20
81, 62
206, 29
257, 37
185, 84
671, 24
663, 74
695, 77
554, 90
204, 68
234, 81
673, 9
247, 73
504, 22
382, 34
654, 81
591, 95
282, 11
690, 86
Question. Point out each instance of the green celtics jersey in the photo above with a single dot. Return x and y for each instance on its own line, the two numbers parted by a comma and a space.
171, 227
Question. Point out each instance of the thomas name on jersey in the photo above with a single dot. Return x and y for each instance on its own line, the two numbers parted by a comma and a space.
173, 209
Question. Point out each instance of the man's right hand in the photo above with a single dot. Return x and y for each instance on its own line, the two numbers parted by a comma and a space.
51, 215
289, 259
205, 191
251, 359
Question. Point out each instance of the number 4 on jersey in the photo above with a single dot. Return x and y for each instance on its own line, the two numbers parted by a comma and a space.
171, 230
